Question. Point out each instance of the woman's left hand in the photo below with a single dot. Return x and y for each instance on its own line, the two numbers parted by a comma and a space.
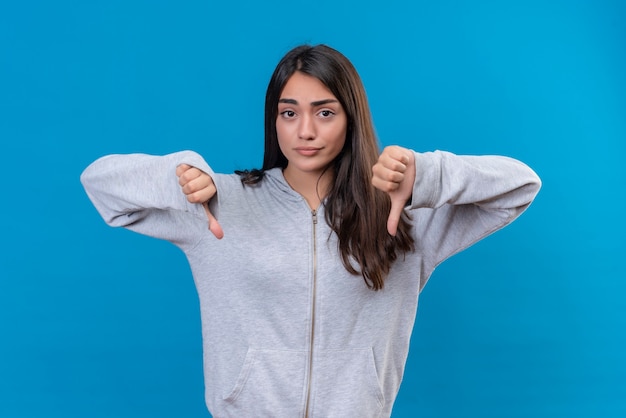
394, 174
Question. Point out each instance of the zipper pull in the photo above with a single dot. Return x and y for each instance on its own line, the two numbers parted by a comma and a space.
314, 213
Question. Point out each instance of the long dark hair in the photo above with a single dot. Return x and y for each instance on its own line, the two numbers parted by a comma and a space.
355, 210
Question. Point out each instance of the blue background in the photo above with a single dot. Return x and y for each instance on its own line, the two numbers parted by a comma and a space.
100, 322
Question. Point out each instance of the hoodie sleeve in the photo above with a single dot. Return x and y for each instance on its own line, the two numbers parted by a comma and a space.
141, 192
458, 200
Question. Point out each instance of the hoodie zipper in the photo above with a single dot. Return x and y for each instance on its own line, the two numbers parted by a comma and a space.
312, 330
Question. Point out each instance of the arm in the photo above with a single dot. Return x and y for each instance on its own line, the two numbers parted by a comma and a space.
143, 193
491, 183
456, 200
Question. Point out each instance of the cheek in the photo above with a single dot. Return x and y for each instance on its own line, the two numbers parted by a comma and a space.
340, 137
280, 130
284, 129
281, 136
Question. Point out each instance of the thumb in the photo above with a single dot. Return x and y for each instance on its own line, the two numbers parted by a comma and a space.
397, 206
214, 226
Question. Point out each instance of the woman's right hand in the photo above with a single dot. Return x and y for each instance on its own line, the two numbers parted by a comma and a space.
199, 188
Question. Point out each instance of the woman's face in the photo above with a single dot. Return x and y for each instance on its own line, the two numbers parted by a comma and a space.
311, 125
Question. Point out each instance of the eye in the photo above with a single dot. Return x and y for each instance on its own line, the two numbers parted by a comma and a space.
288, 114
326, 113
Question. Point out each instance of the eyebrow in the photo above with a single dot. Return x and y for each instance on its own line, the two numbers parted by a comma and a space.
314, 104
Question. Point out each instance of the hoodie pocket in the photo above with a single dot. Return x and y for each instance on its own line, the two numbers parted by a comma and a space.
346, 385
270, 384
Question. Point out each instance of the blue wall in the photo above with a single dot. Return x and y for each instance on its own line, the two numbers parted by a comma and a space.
97, 322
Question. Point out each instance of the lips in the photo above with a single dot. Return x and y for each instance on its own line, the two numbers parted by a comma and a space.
307, 151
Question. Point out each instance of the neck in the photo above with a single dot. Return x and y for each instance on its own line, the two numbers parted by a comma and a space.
312, 186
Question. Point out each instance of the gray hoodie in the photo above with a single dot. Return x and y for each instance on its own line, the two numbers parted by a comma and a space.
287, 331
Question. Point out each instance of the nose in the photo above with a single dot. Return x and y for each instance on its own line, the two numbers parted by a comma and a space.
306, 128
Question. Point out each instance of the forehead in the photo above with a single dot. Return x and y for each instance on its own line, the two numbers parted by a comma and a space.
305, 87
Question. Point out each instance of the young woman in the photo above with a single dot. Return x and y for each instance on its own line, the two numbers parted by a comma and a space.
309, 274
